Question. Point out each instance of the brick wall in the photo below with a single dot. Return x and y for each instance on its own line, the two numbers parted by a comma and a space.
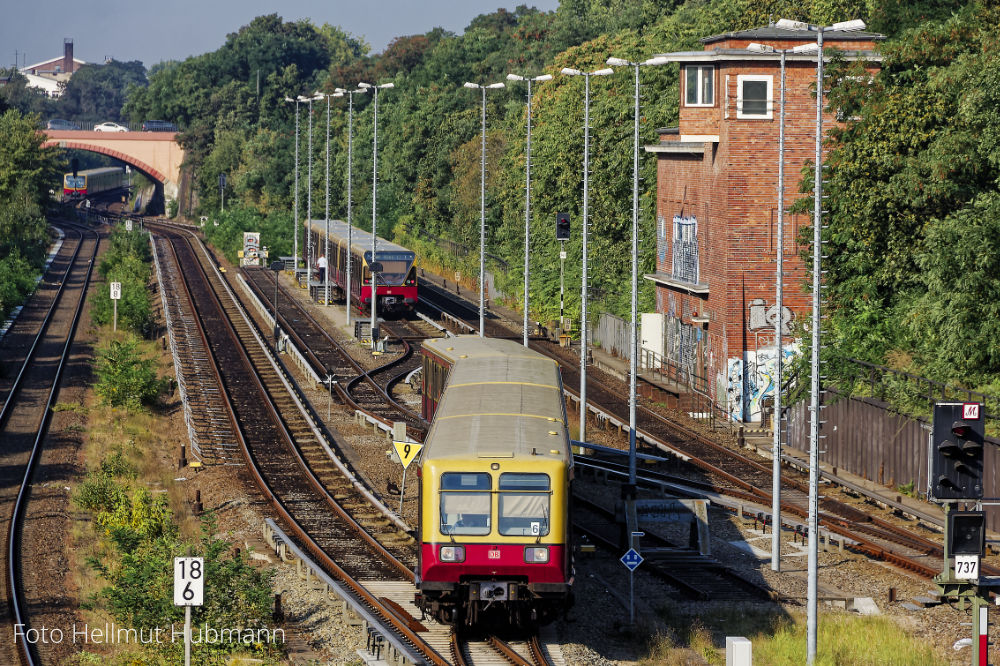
732, 191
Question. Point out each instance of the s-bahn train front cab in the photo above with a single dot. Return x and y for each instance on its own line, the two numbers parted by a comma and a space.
397, 281
74, 186
494, 540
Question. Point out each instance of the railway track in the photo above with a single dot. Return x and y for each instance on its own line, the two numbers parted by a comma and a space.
211, 430
341, 528
24, 421
369, 391
695, 576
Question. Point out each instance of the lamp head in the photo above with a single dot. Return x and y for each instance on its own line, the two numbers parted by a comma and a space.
658, 60
569, 71
514, 77
617, 62
496, 85
787, 24
603, 72
544, 77
469, 84
849, 26
760, 48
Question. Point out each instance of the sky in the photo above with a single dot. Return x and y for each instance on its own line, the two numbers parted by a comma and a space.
153, 31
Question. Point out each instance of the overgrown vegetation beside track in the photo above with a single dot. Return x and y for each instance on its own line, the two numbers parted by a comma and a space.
139, 520
844, 640
26, 174
128, 261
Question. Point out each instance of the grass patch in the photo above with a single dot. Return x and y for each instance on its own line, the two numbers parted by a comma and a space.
780, 640
75, 407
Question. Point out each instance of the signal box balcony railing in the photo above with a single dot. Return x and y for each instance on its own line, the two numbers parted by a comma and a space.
672, 371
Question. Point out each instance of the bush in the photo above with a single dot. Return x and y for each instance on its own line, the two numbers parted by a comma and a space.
125, 378
17, 281
126, 261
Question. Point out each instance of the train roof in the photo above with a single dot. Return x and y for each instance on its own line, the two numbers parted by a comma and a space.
361, 240
96, 172
502, 400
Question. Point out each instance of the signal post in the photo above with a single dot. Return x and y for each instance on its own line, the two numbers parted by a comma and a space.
955, 475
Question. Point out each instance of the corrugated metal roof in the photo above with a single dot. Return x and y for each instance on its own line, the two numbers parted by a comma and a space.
502, 400
361, 240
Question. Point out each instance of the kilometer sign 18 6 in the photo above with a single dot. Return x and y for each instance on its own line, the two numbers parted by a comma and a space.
189, 581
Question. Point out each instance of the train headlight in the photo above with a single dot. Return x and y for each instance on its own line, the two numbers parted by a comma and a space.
452, 553
536, 554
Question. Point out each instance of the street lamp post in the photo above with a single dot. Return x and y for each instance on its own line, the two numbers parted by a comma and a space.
295, 247
585, 235
634, 343
482, 207
276, 266
340, 92
779, 304
326, 240
309, 188
374, 263
814, 400
527, 191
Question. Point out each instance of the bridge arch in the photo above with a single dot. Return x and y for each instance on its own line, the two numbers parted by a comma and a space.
110, 152
156, 154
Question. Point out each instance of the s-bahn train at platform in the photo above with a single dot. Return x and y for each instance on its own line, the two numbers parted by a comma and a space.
397, 280
93, 181
494, 523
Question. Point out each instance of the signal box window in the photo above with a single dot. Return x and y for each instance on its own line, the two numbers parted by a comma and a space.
465, 503
753, 99
524, 504
699, 85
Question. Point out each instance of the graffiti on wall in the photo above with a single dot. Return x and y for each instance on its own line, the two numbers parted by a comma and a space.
760, 316
749, 382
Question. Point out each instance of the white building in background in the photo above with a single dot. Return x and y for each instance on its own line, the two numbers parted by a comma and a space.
48, 74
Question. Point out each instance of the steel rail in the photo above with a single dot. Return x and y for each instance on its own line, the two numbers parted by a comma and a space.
20, 503
310, 544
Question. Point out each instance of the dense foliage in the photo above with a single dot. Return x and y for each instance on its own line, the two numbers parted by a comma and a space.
26, 174
140, 540
914, 274
128, 261
126, 378
912, 178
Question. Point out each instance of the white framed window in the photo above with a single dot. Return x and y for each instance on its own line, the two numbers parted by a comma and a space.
699, 85
754, 96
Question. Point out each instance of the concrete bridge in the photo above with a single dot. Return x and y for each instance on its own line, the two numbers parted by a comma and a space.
156, 154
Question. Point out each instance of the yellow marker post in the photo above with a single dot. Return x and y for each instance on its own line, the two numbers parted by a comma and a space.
407, 452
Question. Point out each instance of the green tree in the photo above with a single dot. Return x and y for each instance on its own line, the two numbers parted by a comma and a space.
126, 378
96, 93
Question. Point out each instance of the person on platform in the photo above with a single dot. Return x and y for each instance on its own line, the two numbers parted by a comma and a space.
321, 265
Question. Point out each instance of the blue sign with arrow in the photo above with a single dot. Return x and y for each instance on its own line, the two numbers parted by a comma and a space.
631, 559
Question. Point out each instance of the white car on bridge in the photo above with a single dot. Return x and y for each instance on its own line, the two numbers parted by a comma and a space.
110, 127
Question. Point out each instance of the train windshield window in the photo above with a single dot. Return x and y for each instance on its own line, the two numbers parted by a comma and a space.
465, 503
394, 268
524, 504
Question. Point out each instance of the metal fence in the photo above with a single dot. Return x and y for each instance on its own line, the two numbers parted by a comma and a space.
613, 335
885, 447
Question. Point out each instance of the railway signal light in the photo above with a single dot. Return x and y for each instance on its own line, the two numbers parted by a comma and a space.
966, 532
956, 457
562, 226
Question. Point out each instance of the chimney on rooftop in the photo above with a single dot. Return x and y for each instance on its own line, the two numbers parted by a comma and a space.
68, 55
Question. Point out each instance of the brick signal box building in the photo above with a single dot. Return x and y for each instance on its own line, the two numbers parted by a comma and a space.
717, 209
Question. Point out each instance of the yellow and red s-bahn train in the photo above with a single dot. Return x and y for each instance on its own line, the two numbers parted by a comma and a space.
494, 524
397, 281
93, 181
